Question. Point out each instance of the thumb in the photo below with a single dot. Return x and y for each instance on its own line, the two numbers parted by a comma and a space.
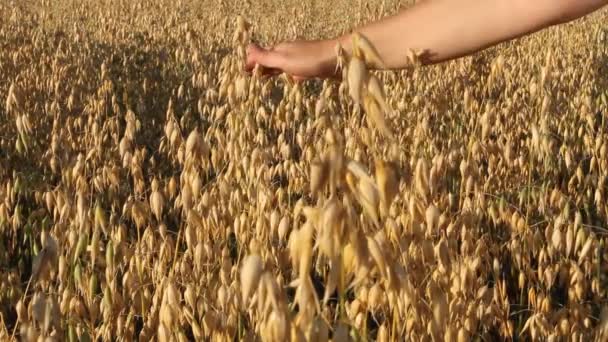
266, 58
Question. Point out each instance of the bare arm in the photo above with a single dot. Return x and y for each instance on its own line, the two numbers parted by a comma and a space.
446, 29
449, 29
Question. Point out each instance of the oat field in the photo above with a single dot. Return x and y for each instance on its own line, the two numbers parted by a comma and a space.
150, 190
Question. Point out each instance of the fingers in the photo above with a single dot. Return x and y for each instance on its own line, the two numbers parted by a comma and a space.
252, 57
270, 60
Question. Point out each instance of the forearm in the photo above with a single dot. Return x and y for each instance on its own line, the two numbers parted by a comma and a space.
447, 29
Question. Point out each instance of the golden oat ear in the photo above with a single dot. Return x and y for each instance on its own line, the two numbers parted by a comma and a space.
368, 51
357, 76
375, 116
288, 79
375, 89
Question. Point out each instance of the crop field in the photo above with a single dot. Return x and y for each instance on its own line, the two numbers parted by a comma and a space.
151, 190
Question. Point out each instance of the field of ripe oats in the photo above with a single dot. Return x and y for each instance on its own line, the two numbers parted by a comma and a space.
149, 189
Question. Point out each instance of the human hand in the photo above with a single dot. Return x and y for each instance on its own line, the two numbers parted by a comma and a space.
299, 59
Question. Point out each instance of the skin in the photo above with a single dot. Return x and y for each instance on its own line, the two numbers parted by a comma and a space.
443, 29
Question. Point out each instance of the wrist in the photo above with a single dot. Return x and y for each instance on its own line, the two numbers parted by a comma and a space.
345, 42
329, 48
328, 57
